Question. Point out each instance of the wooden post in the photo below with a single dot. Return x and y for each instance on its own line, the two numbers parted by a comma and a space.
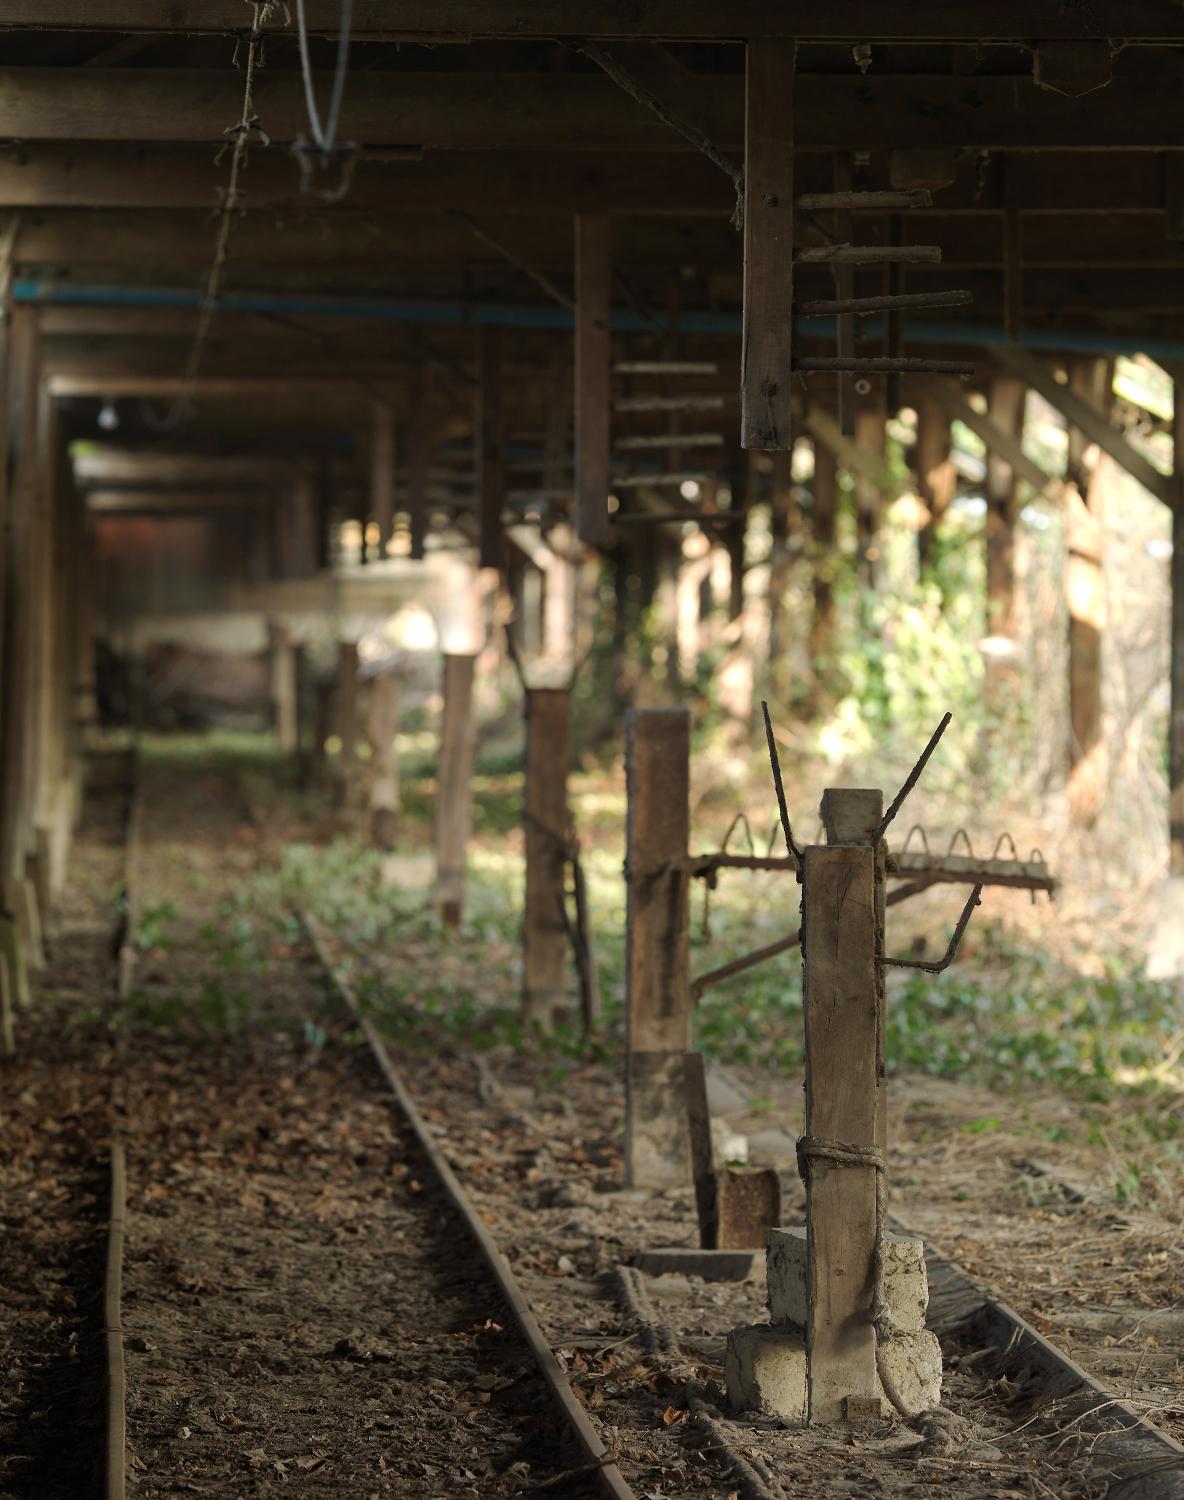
783, 523
382, 476
347, 720
765, 361
548, 750
657, 982
1176, 717
592, 377
491, 471
1006, 403
283, 685
823, 522
842, 939
384, 763
454, 774
936, 479
870, 434
1085, 593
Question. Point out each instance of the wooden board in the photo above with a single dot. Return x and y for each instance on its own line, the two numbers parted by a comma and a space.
454, 793
765, 384
544, 940
841, 1015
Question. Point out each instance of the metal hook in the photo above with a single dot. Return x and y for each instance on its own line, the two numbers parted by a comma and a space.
951, 951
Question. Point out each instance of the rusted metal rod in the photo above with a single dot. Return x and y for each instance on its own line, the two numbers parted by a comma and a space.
902, 365
868, 255
827, 307
870, 199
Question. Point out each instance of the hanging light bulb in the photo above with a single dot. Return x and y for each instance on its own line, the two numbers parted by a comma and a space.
108, 416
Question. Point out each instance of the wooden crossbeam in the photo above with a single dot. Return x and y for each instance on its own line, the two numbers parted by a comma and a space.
1037, 373
1002, 21
490, 111
999, 441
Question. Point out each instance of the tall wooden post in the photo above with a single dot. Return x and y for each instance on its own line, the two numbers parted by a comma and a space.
936, 479
491, 469
454, 774
593, 377
823, 524
783, 523
842, 927
1176, 718
1085, 593
870, 435
657, 982
347, 720
1006, 403
765, 361
283, 685
544, 941
384, 763
382, 476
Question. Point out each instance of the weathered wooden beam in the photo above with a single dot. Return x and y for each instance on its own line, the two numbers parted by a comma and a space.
870, 438
346, 715
152, 502
488, 111
936, 479
107, 467
766, 357
431, 21
593, 359
1176, 669
454, 791
383, 791
854, 456
1003, 433
1079, 412
382, 472
1001, 442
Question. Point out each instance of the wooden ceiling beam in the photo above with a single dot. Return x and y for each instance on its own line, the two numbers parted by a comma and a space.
971, 21
585, 112
112, 175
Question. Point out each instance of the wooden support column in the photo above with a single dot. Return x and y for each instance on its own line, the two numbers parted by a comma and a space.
657, 982
384, 763
545, 820
825, 559
765, 361
1006, 404
1085, 592
419, 447
592, 377
783, 523
491, 469
283, 685
347, 721
936, 479
382, 475
1176, 717
454, 793
871, 436
842, 926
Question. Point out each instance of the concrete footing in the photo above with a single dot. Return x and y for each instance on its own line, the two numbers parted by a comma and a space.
766, 1364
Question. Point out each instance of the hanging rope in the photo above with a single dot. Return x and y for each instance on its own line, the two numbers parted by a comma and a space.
239, 135
322, 153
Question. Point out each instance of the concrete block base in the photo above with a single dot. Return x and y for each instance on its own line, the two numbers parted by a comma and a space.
912, 1363
766, 1373
906, 1284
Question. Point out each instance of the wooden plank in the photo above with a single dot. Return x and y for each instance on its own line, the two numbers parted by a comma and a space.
584, 112
454, 792
936, 479
871, 438
545, 819
823, 529
1007, 402
1037, 373
436, 20
766, 356
593, 359
382, 472
657, 971
839, 927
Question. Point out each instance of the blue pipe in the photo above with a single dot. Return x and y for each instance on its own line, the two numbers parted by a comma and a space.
547, 316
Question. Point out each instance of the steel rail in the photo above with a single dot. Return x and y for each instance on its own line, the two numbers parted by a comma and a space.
599, 1457
116, 1372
